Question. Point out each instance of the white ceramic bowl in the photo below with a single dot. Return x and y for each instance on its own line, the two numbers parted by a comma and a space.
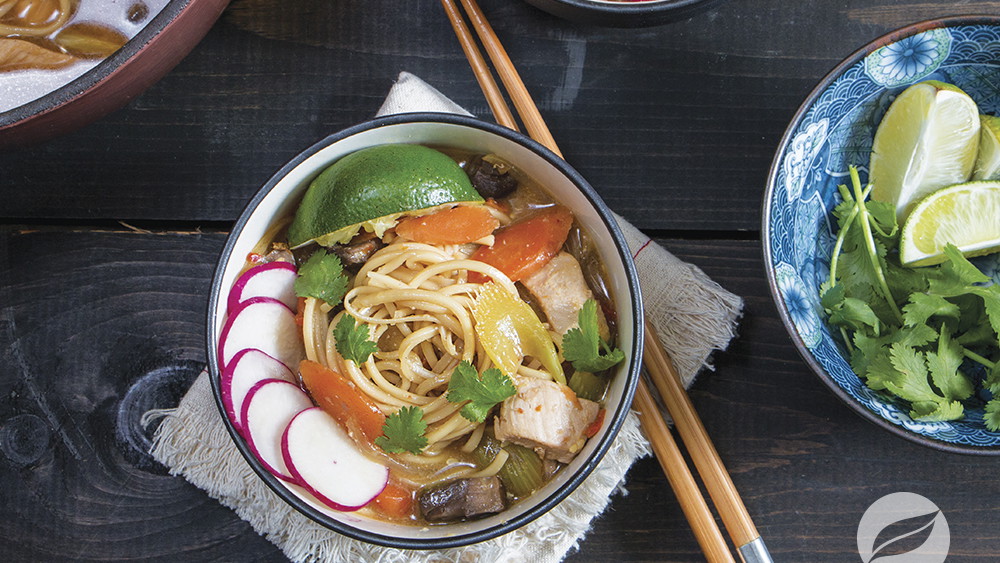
280, 196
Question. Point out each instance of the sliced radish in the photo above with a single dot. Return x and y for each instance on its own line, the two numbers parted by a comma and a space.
263, 323
247, 368
268, 408
274, 279
326, 462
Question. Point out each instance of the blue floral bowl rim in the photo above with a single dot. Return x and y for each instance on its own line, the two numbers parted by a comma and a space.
810, 100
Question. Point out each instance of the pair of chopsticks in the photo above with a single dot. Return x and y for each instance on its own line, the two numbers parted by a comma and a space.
706, 459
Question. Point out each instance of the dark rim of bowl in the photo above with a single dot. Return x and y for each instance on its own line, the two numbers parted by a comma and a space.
104, 69
638, 8
851, 60
614, 425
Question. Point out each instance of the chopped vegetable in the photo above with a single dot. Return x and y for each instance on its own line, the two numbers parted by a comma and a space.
453, 225
352, 340
270, 405
265, 324
482, 393
587, 385
325, 461
521, 474
404, 432
491, 176
522, 248
462, 498
584, 347
595, 426
395, 501
509, 330
322, 277
342, 400
248, 367
358, 250
272, 279
913, 332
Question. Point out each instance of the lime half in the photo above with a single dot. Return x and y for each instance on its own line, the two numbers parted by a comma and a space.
372, 188
988, 161
927, 140
966, 215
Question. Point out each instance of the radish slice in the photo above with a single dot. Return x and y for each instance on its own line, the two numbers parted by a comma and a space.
274, 279
269, 406
326, 462
247, 368
263, 323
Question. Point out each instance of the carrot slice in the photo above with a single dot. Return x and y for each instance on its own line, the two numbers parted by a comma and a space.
522, 248
395, 501
300, 310
594, 427
342, 400
454, 225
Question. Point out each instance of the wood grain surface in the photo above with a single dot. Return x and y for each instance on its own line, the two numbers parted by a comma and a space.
109, 237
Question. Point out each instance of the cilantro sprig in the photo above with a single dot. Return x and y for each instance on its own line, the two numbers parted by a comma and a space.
924, 334
352, 340
584, 347
322, 277
403, 432
482, 393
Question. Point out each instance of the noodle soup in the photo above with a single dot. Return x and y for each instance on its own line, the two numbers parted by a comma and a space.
474, 353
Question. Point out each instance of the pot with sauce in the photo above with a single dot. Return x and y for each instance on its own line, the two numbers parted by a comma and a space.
65, 63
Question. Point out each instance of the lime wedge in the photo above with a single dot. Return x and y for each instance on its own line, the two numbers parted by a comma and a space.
372, 188
928, 139
988, 161
966, 215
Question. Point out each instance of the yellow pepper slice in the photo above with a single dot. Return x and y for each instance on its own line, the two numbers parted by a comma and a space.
510, 330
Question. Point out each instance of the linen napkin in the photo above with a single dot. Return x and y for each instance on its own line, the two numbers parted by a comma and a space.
693, 316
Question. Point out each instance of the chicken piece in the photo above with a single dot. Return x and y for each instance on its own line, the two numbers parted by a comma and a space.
561, 290
547, 417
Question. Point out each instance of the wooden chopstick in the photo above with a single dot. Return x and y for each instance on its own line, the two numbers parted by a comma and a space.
519, 95
707, 461
706, 458
482, 72
696, 510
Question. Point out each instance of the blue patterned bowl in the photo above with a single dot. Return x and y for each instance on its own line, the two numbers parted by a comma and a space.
833, 130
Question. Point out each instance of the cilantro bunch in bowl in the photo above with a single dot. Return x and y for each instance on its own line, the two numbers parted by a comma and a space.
921, 334
883, 274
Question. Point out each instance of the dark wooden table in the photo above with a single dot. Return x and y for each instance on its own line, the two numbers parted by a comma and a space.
109, 236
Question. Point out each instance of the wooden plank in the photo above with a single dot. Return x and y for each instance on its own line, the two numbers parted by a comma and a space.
97, 327
675, 126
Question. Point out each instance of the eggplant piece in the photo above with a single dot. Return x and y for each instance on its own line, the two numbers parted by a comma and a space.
462, 498
357, 252
489, 179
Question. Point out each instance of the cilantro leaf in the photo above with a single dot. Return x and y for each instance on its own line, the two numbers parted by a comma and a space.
583, 345
403, 432
923, 306
322, 277
482, 394
910, 382
992, 381
854, 313
352, 340
944, 364
992, 415
991, 301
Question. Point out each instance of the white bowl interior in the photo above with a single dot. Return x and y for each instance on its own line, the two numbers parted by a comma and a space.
284, 197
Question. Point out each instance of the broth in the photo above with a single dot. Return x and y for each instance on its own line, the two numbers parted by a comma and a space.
421, 346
